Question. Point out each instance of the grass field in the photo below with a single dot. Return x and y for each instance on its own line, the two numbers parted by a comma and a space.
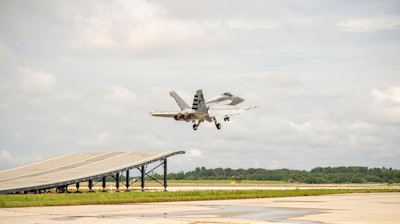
34, 200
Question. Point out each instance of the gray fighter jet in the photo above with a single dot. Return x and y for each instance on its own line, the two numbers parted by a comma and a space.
223, 106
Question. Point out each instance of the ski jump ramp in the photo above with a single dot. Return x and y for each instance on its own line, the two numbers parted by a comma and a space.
74, 168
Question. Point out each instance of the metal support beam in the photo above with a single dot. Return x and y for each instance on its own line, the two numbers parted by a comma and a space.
117, 181
127, 180
62, 189
77, 187
165, 174
104, 184
90, 185
143, 173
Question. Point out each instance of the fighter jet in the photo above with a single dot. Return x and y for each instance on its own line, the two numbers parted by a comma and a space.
223, 106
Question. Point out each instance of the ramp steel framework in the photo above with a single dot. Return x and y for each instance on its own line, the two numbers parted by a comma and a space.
73, 168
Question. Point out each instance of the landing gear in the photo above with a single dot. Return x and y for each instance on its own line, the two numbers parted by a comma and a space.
226, 119
195, 126
218, 125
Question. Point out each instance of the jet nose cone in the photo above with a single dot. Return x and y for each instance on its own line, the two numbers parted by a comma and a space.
236, 100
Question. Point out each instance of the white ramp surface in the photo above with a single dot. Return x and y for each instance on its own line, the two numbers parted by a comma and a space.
74, 168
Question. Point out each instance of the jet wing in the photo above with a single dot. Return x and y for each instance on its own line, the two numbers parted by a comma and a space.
190, 115
226, 110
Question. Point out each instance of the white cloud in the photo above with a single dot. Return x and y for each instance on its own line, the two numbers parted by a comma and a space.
194, 153
368, 24
89, 83
32, 81
276, 80
361, 127
5, 52
272, 20
6, 160
143, 27
98, 141
317, 126
121, 95
390, 95
251, 24
5, 156
386, 104
117, 101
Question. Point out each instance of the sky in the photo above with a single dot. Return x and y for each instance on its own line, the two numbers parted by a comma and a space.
82, 76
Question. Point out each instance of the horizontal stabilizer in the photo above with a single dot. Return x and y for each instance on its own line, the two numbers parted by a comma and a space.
164, 113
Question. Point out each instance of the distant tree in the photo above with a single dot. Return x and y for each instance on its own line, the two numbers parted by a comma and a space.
350, 174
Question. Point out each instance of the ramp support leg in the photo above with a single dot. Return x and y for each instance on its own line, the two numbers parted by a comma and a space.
117, 181
165, 174
127, 180
90, 185
142, 177
104, 184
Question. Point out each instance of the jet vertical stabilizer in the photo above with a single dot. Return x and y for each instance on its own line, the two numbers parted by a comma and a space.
181, 103
199, 104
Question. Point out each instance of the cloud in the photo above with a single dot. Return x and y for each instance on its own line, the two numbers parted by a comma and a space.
89, 83
98, 141
368, 24
117, 101
6, 159
121, 95
194, 153
142, 27
5, 156
389, 95
6, 52
271, 20
276, 80
32, 81
386, 104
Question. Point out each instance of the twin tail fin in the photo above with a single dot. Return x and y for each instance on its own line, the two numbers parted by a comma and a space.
198, 105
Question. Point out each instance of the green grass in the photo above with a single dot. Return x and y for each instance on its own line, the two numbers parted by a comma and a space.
34, 200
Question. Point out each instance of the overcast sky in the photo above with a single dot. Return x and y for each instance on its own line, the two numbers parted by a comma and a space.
82, 76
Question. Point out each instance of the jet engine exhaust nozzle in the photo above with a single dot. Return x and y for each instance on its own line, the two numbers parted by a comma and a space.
178, 117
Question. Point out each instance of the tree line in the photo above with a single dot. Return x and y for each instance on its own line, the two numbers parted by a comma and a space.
319, 175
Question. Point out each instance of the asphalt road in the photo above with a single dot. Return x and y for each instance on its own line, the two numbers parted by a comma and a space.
345, 208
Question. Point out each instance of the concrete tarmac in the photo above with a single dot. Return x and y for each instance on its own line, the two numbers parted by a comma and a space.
344, 208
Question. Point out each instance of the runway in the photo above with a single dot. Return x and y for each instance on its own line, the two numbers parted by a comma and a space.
345, 208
